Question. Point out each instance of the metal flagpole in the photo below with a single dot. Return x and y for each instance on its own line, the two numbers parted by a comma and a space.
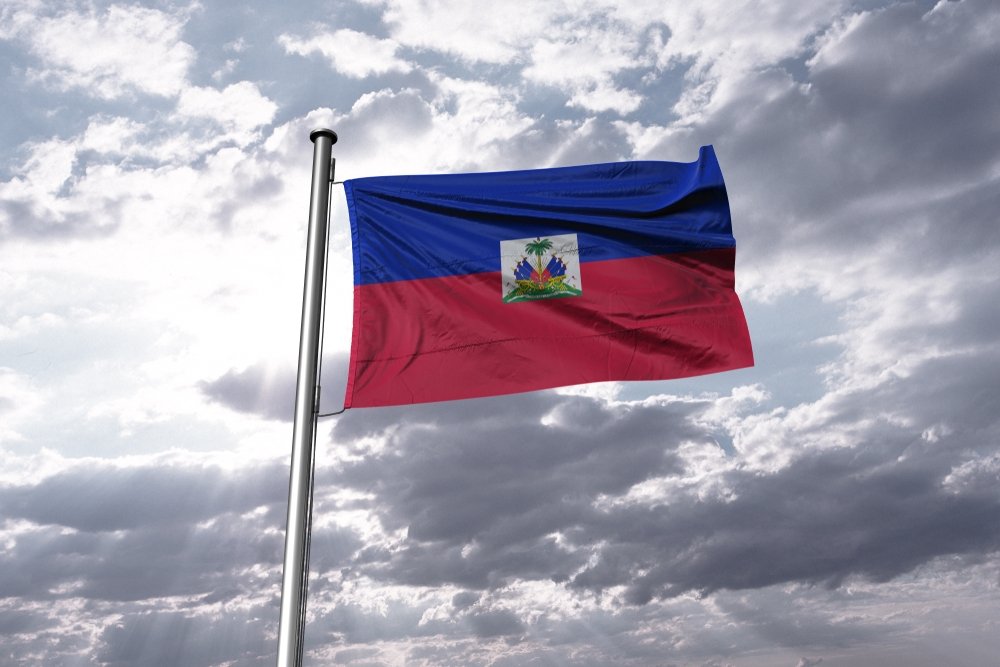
300, 483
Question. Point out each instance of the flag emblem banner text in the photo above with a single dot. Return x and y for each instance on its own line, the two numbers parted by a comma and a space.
482, 284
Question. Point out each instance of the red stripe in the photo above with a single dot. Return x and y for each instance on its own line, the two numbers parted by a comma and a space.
653, 317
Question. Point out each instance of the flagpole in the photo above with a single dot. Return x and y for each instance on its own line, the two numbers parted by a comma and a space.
300, 483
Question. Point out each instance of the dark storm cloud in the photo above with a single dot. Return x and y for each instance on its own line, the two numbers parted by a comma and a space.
957, 391
353, 624
348, 623
351, 656
464, 600
14, 622
954, 229
419, 565
797, 626
892, 112
506, 490
878, 510
822, 519
167, 639
62, 646
150, 532
137, 564
484, 510
583, 450
255, 390
270, 393
494, 623
96, 498
115, 539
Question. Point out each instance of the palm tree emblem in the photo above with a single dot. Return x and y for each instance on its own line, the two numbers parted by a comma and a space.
545, 277
538, 248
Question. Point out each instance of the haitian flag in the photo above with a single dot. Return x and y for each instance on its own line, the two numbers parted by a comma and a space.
472, 285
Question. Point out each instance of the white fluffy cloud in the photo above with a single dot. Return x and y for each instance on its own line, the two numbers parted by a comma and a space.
350, 52
107, 53
584, 59
559, 45
584, 48
239, 108
493, 32
126, 50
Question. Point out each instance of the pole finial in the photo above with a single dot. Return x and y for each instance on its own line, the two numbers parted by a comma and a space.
323, 132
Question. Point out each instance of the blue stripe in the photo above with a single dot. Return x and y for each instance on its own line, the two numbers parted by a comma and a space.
409, 227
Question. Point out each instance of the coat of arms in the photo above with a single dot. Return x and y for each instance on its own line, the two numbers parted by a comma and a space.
540, 268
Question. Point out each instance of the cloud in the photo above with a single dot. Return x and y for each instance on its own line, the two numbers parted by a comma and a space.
588, 53
110, 54
495, 33
456, 124
859, 156
173, 638
854, 517
583, 57
270, 392
352, 53
84, 184
556, 45
18, 398
31, 205
13, 622
167, 184
487, 517
102, 498
239, 108
724, 44
111, 136
159, 529
255, 390
495, 623
818, 493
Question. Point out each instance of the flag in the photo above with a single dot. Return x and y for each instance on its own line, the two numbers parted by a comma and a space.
471, 285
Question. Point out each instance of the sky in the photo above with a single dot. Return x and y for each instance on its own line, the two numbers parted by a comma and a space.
835, 505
